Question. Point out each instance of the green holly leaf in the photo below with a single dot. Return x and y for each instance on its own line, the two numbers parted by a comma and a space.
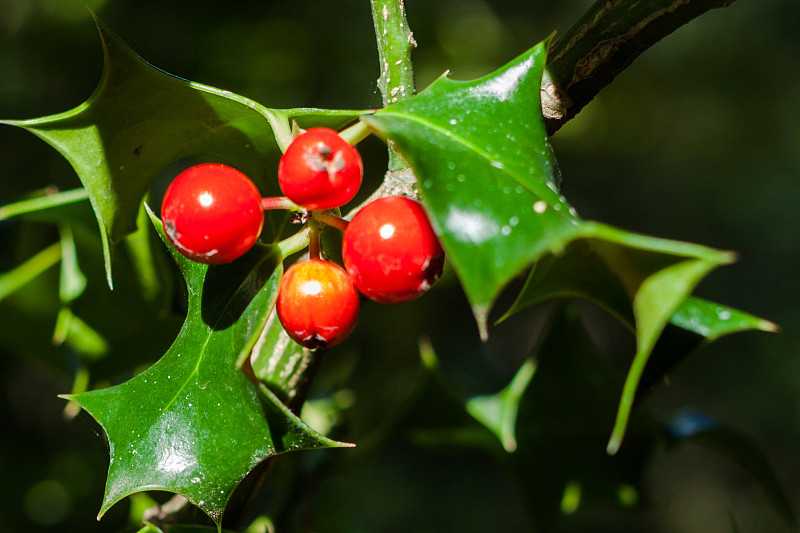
496, 412
693, 325
141, 122
487, 173
193, 424
646, 283
711, 321
560, 464
488, 178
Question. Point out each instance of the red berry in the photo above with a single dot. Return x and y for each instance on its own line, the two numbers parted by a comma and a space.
212, 213
317, 303
391, 251
320, 170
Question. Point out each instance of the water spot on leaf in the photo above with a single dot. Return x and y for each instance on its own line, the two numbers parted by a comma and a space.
470, 226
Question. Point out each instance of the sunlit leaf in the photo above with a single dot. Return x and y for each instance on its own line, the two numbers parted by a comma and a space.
486, 173
488, 179
167, 426
712, 321
142, 123
694, 324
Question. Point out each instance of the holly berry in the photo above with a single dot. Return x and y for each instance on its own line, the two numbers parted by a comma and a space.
320, 170
391, 251
212, 213
317, 303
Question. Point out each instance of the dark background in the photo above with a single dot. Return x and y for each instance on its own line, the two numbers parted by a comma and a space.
698, 140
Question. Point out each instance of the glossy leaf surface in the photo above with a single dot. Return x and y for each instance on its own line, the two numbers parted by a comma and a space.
712, 321
142, 123
694, 324
168, 426
487, 174
488, 178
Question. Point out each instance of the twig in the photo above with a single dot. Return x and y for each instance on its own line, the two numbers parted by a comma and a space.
602, 43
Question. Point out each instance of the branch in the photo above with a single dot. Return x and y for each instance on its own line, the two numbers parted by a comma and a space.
395, 44
590, 54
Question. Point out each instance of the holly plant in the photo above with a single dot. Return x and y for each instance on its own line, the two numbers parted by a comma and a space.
263, 215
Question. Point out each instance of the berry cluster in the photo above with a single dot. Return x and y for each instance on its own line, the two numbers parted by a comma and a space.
213, 214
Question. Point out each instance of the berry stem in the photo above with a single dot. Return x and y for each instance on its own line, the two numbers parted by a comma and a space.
314, 249
279, 121
279, 202
330, 219
356, 133
297, 242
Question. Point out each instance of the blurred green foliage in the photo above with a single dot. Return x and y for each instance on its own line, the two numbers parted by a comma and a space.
697, 140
